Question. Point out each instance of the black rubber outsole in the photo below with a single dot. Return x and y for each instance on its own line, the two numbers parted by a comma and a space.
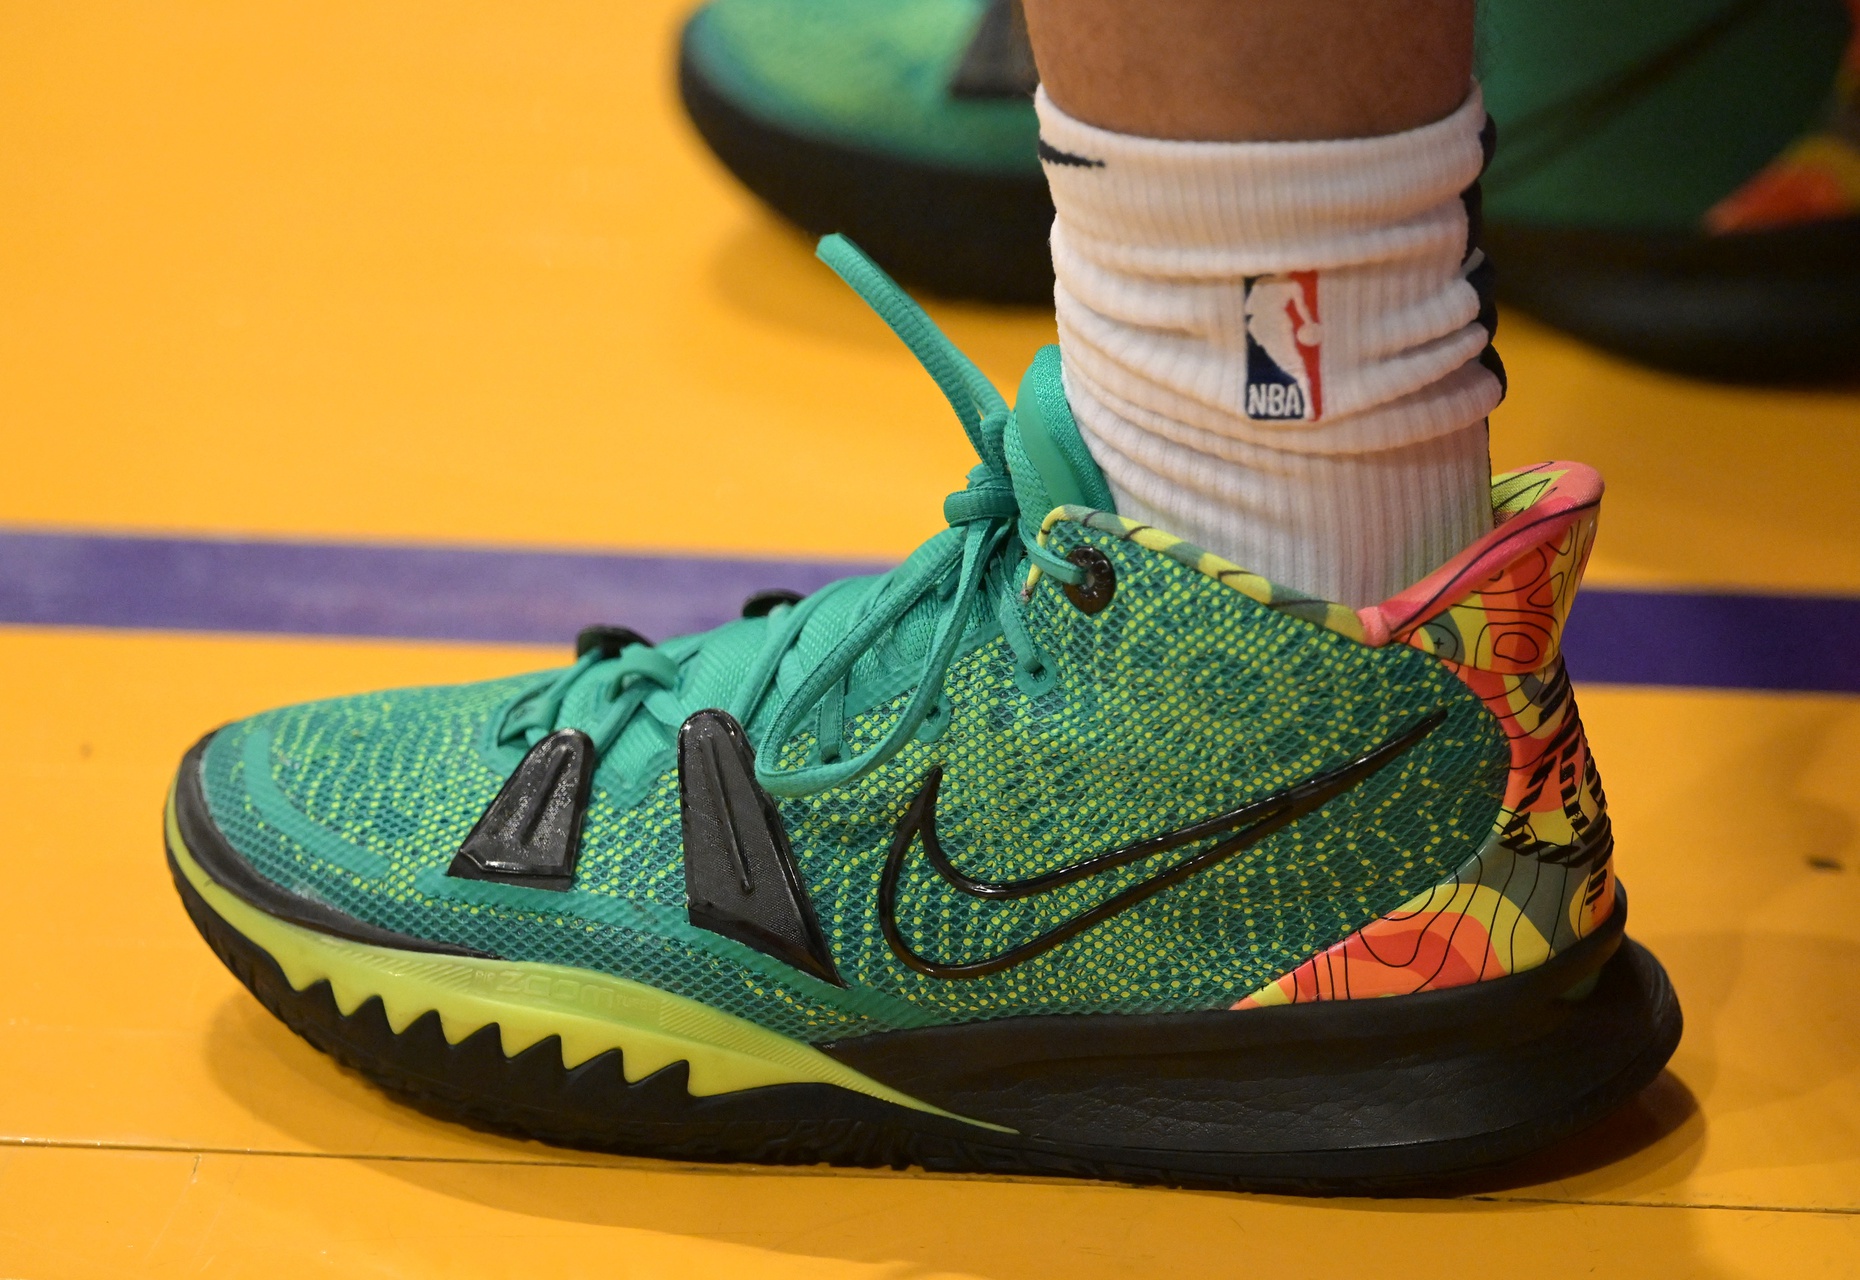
955, 232
1570, 1064
1777, 306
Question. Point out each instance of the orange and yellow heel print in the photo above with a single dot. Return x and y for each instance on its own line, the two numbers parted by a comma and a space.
1544, 879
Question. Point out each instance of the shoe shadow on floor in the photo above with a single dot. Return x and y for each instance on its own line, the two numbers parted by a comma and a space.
1661, 1129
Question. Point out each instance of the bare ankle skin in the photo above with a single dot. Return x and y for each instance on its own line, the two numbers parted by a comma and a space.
1254, 70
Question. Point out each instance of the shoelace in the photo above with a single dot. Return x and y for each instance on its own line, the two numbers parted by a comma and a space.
978, 551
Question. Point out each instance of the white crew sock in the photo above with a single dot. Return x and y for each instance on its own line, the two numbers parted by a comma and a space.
1342, 450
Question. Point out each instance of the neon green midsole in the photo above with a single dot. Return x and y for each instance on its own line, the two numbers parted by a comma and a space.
591, 1012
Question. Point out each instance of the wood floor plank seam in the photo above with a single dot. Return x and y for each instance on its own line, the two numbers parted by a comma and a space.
154, 1148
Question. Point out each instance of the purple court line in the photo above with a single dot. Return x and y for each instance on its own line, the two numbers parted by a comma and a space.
348, 589
1692, 639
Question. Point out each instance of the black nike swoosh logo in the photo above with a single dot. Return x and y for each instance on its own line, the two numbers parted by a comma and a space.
1248, 825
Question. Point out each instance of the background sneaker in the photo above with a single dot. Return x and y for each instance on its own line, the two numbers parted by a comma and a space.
1064, 847
905, 124
1654, 192
1617, 206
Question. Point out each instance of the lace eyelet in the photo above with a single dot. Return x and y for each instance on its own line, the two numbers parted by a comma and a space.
1092, 595
610, 640
936, 722
1036, 681
768, 600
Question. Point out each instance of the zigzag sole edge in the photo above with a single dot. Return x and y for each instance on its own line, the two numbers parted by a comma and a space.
592, 1106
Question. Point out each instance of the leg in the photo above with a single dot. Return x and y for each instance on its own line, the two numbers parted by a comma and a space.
1276, 345
1257, 71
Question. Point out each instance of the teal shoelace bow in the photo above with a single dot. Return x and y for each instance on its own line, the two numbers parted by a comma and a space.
976, 558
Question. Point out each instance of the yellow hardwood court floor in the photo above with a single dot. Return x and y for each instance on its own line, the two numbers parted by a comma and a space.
459, 274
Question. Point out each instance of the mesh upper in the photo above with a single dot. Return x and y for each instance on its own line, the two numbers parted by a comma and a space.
1182, 699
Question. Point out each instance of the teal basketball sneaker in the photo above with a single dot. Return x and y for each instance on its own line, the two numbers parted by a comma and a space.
1065, 847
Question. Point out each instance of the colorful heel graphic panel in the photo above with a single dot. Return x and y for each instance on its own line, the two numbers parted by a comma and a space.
1545, 878
1543, 881
1817, 178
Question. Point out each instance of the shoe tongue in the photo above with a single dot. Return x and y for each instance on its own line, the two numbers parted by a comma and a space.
1046, 456
1049, 466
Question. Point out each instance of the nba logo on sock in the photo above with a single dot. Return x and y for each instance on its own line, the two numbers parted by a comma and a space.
1283, 379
